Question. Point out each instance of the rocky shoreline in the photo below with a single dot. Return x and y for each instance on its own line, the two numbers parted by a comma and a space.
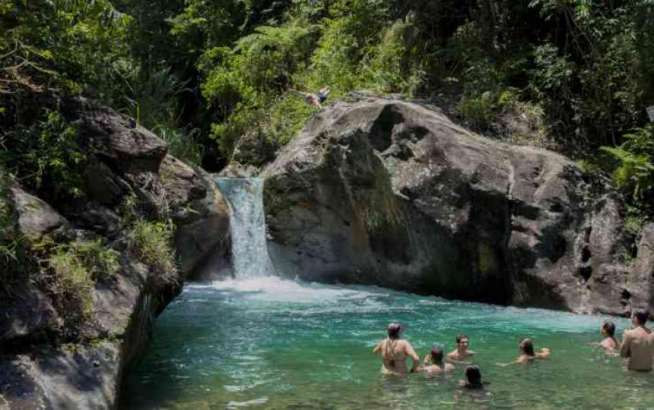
377, 191
43, 365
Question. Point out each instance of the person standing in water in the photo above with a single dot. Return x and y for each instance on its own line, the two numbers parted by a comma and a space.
609, 343
638, 344
527, 353
394, 352
433, 363
461, 353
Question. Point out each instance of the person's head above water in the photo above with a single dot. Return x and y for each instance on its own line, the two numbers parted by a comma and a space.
394, 330
436, 355
473, 377
527, 347
462, 342
640, 317
608, 328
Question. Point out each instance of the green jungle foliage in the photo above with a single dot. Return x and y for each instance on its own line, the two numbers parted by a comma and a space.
572, 75
45, 156
76, 267
151, 243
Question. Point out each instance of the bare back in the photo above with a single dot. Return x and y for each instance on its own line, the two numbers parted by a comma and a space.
638, 348
394, 353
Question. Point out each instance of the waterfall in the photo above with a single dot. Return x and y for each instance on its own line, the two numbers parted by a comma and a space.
248, 226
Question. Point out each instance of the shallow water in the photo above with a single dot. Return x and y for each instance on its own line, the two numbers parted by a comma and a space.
277, 344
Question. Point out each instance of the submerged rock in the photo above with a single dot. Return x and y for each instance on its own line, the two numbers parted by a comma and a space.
395, 194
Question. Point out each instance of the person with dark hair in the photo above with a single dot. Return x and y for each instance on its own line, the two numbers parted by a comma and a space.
394, 352
528, 353
461, 353
433, 363
473, 378
609, 343
638, 344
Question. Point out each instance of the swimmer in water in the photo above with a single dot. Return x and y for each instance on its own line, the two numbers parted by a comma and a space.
527, 353
638, 344
394, 352
433, 363
461, 353
473, 379
609, 343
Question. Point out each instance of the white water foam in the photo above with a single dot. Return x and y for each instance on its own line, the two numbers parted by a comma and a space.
276, 289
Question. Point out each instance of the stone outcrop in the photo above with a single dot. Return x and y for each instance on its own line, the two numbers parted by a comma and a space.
395, 194
43, 366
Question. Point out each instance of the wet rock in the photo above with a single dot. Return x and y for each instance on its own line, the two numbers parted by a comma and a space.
199, 210
392, 193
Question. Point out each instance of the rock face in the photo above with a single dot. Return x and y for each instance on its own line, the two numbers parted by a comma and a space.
393, 193
43, 367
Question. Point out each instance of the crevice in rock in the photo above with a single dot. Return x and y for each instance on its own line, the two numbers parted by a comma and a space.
586, 272
381, 133
585, 254
625, 297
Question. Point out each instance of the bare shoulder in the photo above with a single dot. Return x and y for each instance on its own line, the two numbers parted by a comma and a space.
522, 359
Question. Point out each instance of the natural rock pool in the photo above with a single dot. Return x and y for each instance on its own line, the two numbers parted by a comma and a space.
278, 344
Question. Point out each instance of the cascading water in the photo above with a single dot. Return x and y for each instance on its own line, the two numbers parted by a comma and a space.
248, 226
267, 342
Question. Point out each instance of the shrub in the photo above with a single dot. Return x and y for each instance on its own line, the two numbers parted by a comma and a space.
46, 156
635, 172
151, 243
100, 261
478, 111
181, 144
73, 286
77, 266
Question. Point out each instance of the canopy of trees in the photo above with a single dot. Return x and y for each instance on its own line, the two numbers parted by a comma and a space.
578, 74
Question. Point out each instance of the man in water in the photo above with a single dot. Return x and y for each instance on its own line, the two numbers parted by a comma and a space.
461, 353
394, 352
638, 344
433, 362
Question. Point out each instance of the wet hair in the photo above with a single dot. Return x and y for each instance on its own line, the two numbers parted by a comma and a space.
459, 338
473, 377
394, 330
436, 354
641, 316
527, 347
609, 328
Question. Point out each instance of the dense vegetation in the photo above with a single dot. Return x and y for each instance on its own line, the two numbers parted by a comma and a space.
571, 75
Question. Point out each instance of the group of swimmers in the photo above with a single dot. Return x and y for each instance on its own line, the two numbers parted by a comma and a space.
637, 348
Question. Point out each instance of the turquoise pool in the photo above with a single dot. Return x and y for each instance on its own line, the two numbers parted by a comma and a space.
270, 343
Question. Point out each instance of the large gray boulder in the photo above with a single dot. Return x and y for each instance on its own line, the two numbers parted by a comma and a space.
393, 193
42, 364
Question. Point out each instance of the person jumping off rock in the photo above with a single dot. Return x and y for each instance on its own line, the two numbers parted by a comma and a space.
316, 99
